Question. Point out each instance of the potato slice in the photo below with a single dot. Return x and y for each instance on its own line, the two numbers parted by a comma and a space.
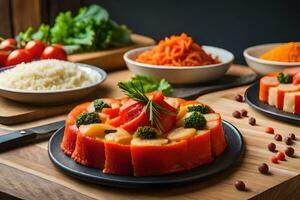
121, 137
272, 98
181, 134
95, 130
149, 142
211, 116
91, 108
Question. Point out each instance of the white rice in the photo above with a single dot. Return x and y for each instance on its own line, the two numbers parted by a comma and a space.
46, 75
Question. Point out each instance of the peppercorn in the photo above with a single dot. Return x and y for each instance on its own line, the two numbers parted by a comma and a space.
289, 151
292, 136
272, 147
240, 185
239, 98
252, 121
278, 137
236, 114
263, 168
244, 113
288, 141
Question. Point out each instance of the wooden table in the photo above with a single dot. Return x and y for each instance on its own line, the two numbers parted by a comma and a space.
28, 173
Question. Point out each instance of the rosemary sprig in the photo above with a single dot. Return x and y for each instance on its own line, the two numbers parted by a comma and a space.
136, 92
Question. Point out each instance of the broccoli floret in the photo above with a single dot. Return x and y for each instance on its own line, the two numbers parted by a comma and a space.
195, 120
87, 118
199, 108
284, 78
146, 132
99, 105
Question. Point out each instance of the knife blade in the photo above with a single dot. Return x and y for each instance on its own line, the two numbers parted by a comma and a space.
21, 137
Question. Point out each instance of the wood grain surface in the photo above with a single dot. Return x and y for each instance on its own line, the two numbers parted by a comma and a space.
28, 173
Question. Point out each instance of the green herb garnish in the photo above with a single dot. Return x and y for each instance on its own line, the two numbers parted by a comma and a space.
87, 118
199, 108
99, 105
135, 91
195, 120
146, 132
284, 78
151, 84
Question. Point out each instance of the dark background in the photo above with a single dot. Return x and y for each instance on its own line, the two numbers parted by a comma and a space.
230, 24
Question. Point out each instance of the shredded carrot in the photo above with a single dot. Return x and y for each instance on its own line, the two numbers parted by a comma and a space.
177, 51
289, 52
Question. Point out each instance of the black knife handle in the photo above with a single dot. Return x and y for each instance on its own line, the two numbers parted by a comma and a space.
13, 139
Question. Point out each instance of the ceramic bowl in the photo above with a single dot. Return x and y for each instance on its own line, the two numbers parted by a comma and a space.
181, 74
261, 66
56, 97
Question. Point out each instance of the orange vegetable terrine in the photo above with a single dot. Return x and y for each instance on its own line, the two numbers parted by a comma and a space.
282, 90
118, 136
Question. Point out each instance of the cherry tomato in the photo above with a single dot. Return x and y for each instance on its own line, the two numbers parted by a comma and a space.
3, 58
54, 52
8, 44
18, 56
35, 47
296, 79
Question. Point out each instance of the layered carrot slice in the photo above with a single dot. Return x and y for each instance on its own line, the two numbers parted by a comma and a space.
218, 141
89, 151
118, 159
69, 139
292, 102
282, 90
199, 149
157, 160
70, 133
266, 83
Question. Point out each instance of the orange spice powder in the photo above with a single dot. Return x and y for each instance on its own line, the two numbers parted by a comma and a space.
289, 52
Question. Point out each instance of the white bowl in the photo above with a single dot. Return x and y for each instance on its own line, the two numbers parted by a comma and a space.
56, 97
261, 66
181, 74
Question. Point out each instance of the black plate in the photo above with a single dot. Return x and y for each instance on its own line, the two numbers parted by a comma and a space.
251, 97
230, 156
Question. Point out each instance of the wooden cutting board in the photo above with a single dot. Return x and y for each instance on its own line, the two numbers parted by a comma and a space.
15, 113
28, 173
111, 59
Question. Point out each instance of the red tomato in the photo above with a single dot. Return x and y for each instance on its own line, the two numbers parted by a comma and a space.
167, 120
3, 57
35, 47
8, 44
18, 56
296, 79
142, 119
111, 112
116, 122
130, 110
54, 52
